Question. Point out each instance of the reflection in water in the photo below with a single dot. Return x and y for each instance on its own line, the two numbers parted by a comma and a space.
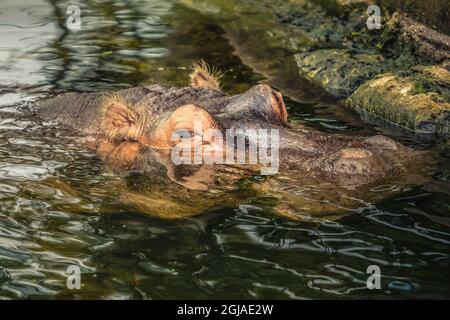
60, 205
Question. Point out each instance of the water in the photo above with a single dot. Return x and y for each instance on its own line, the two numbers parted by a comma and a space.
60, 207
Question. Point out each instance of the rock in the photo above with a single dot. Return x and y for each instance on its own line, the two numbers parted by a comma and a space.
429, 44
439, 74
432, 13
338, 71
418, 99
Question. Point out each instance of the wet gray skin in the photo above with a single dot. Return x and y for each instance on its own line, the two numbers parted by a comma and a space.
132, 130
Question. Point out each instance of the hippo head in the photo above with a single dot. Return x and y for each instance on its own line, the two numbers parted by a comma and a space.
161, 123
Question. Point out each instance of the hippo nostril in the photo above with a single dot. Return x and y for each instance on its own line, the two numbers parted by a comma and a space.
276, 102
279, 107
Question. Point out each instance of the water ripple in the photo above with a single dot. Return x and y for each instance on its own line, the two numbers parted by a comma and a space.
59, 207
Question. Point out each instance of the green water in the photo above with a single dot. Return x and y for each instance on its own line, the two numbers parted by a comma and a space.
60, 207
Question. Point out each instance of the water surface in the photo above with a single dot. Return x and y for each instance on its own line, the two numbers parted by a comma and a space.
60, 207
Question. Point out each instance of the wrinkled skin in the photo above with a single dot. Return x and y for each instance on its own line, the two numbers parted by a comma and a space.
133, 131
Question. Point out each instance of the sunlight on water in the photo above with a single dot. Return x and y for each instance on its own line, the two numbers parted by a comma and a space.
60, 207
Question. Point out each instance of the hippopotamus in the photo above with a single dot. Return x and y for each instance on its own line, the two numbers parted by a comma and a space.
133, 127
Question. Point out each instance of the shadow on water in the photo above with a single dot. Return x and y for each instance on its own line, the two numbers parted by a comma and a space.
60, 207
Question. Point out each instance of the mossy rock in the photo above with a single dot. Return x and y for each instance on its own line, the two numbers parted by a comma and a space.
418, 99
337, 70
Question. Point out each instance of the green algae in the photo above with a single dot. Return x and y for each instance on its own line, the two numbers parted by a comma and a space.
339, 72
413, 99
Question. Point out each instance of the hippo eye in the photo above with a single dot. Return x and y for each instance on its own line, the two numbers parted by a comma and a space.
187, 133
180, 135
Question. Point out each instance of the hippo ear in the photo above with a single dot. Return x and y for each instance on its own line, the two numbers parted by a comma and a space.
205, 76
119, 121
